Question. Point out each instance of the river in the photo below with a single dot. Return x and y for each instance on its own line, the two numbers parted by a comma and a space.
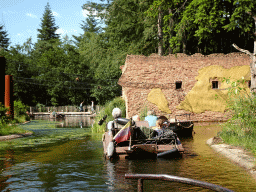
79, 165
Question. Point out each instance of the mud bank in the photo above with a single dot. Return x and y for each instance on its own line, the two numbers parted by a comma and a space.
236, 154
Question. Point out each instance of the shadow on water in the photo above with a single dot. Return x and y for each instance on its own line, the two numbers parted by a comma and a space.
78, 165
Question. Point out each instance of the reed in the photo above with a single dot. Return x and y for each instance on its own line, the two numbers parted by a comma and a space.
240, 130
118, 102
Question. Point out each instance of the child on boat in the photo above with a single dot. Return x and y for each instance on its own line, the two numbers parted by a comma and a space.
159, 127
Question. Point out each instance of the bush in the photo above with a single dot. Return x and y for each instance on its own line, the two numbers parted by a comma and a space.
20, 108
107, 110
4, 119
240, 130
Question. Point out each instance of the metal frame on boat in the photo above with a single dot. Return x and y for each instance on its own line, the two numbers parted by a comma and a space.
183, 128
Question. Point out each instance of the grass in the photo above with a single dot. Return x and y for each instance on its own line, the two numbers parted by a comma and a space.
107, 110
12, 127
240, 130
235, 135
44, 132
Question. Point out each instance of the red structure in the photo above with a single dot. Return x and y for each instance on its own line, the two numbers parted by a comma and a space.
9, 95
2, 79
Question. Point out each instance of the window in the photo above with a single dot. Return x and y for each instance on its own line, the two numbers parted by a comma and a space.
249, 83
215, 85
178, 84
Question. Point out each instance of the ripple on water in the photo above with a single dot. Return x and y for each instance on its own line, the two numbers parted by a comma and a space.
79, 166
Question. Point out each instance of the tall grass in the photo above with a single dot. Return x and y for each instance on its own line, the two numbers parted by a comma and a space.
11, 129
118, 102
240, 130
7, 125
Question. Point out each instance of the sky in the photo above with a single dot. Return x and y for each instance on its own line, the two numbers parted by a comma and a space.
22, 18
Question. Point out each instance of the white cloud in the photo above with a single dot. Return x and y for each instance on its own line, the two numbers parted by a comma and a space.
85, 13
55, 14
60, 31
31, 15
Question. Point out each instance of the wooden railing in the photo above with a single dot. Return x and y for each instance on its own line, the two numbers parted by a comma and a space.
86, 108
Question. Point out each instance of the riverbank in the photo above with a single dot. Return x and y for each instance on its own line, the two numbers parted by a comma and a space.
18, 135
236, 154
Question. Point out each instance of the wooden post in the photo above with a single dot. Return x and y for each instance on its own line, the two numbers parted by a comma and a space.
9, 95
2, 79
140, 185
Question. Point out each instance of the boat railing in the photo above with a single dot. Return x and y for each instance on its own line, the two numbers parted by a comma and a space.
164, 177
185, 114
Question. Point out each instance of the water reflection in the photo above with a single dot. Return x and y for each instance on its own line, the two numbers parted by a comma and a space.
70, 121
78, 165
6, 163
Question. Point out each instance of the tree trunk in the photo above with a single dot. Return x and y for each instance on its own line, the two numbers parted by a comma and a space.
184, 45
171, 23
253, 67
160, 32
253, 59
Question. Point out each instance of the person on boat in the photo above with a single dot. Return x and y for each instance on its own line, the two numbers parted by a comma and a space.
136, 118
116, 112
159, 128
151, 118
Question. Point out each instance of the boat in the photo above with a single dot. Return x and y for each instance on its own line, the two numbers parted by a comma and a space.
183, 128
140, 142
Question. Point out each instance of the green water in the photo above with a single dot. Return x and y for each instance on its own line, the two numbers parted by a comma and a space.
78, 165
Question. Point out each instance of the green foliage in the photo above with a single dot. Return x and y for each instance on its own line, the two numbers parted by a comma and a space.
48, 28
11, 129
4, 119
117, 102
241, 128
20, 108
209, 26
4, 40
90, 24
143, 113
57, 72
44, 132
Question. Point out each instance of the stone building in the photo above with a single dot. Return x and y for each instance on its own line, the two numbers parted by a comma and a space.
189, 84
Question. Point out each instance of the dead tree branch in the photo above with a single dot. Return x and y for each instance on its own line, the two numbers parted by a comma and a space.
242, 50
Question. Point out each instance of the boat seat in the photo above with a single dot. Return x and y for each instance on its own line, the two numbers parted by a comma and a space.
147, 131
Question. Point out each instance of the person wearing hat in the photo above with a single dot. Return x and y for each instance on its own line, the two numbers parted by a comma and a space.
116, 112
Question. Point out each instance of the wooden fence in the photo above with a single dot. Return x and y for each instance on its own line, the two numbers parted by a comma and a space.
86, 108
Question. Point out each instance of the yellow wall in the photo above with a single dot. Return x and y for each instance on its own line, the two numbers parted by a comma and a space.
157, 97
203, 98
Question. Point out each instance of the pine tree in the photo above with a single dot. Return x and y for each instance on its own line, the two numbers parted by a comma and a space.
4, 41
90, 25
48, 27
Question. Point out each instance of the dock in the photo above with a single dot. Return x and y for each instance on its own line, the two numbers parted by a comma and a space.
66, 113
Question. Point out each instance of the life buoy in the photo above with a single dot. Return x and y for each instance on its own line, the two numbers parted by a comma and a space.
111, 149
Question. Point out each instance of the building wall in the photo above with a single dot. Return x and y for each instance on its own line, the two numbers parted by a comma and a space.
141, 74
